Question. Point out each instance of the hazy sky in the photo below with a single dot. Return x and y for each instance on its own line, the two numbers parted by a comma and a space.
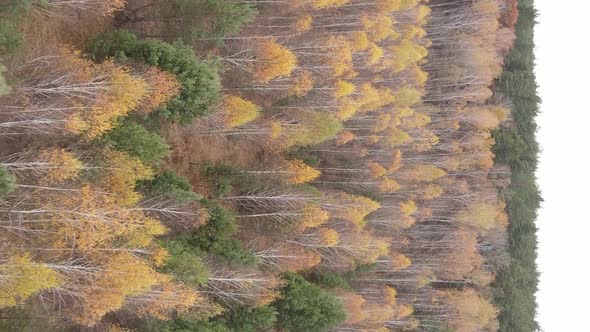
563, 71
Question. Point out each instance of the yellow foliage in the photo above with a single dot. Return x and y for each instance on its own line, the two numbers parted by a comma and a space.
347, 109
379, 27
383, 121
122, 275
273, 61
397, 138
501, 216
416, 120
111, 93
403, 311
396, 162
303, 84
486, 117
159, 256
402, 112
390, 295
388, 186
143, 235
374, 139
473, 311
426, 141
238, 111
422, 15
323, 4
275, 130
303, 24
359, 41
372, 99
418, 76
166, 300
121, 173
408, 207
108, 8
329, 237
482, 216
93, 219
353, 208
405, 97
411, 31
314, 216
406, 53
375, 170
22, 277
340, 59
431, 192
396, 5
343, 89
353, 305
299, 172
124, 94
401, 261
62, 165
406, 221
426, 173
375, 53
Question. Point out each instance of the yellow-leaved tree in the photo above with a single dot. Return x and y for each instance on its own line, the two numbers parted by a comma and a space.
351, 208
343, 88
299, 172
121, 275
63, 165
273, 61
322, 4
303, 83
238, 111
22, 277
426, 173
121, 172
113, 93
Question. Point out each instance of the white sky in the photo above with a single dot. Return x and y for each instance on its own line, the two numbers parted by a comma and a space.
563, 71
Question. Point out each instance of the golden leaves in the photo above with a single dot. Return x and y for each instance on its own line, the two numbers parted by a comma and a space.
299, 172
343, 89
62, 165
121, 173
304, 82
22, 277
273, 61
238, 111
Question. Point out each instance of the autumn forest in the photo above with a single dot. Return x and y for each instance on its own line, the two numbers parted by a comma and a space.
267, 165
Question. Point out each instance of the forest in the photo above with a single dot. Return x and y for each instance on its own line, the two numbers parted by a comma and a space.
268, 165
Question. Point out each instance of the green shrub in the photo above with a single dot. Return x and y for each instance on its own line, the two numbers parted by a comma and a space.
329, 279
304, 307
246, 319
7, 182
10, 39
220, 178
182, 325
185, 263
213, 237
134, 139
170, 184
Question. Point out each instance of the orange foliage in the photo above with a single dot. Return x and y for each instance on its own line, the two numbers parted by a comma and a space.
162, 87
